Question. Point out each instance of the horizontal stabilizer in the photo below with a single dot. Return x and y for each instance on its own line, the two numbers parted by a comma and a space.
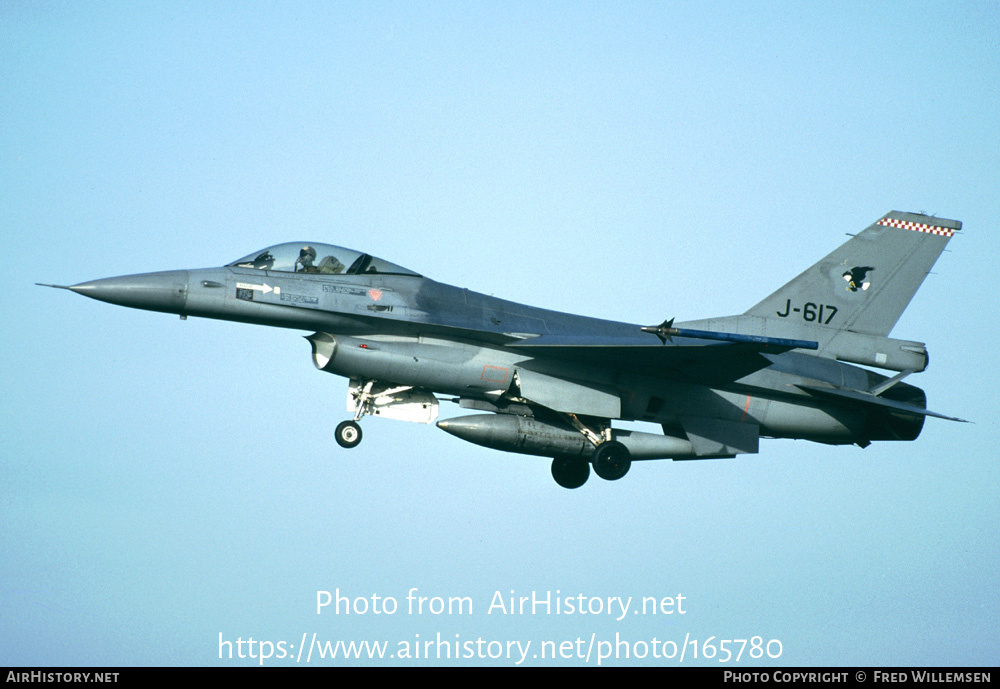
868, 398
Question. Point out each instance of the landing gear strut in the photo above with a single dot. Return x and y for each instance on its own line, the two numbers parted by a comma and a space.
359, 395
611, 459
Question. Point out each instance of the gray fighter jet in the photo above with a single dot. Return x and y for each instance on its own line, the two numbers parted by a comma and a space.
551, 384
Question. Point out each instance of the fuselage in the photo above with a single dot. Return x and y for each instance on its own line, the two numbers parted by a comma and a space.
414, 331
551, 384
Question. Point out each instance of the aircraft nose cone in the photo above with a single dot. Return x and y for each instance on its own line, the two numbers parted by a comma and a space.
166, 291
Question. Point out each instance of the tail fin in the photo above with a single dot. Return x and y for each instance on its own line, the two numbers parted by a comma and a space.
865, 285
850, 301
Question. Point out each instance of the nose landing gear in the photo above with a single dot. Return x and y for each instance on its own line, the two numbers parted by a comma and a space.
348, 434
377, 398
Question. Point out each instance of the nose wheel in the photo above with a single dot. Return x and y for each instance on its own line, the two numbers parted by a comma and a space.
348, 434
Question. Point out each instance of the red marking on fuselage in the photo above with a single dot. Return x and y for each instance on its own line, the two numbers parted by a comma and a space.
495, 374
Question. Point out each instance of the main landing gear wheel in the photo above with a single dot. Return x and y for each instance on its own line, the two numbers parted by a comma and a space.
348, 434
611, 460
570, 472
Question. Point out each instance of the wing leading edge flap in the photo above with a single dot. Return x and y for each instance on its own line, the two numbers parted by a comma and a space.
868, 398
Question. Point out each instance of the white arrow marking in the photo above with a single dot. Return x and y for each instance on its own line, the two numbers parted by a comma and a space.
265, 288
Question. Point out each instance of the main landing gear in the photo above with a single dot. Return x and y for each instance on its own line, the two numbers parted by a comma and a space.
611, 461
570, 472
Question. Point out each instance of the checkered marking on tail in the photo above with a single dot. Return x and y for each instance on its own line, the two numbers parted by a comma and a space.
917, 227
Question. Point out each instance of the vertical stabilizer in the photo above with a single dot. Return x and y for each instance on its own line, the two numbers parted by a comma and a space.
865, 285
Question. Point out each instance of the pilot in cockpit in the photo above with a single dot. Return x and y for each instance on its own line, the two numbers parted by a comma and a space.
306, 257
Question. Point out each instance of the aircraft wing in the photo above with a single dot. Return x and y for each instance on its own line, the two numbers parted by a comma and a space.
723, 358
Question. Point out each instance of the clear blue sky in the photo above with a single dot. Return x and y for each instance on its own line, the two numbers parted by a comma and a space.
164, 482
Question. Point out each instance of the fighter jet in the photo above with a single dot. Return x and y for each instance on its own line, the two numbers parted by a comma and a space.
799, 364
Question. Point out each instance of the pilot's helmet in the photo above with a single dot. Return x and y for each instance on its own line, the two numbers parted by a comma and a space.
307, 251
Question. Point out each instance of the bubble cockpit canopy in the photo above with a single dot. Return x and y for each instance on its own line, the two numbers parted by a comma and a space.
323, 259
